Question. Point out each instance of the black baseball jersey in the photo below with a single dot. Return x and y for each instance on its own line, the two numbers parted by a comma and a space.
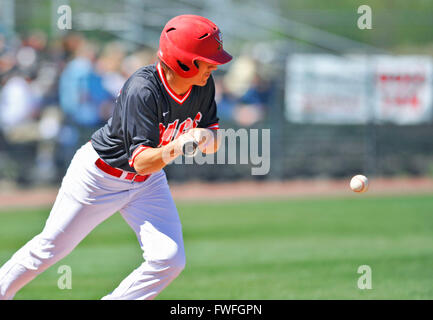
148, 113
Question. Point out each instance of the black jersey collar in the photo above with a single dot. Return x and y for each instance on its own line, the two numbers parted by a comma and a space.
179, 99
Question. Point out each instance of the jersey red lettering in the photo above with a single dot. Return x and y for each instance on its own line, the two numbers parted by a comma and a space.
197, 120
168, 133
161, 133
184, 127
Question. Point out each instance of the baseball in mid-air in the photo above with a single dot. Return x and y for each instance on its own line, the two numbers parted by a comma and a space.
359, 183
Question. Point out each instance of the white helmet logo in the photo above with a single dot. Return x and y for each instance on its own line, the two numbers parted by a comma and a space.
219, 39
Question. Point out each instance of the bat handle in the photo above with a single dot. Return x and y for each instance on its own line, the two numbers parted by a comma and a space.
189, 148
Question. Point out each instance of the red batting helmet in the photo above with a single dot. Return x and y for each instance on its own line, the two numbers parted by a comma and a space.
188, 38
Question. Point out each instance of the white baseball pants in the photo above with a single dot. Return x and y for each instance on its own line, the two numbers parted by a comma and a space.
86, 198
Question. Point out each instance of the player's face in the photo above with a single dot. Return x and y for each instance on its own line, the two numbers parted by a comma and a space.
204, 71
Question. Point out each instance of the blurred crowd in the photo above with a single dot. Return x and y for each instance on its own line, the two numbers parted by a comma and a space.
55, 94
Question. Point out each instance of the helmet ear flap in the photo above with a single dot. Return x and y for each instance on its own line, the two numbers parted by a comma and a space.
183, 66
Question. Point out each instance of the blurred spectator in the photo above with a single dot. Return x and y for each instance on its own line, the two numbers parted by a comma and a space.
7, 62
109, 67
258, 93
247, 115
254, 103
2, 44
240, 76
81, 95
137, 60
250, 89
81, 91
71, 43
226, 102
26, 138
18, 108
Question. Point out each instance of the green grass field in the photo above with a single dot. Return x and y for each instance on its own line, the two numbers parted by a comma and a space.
293, 249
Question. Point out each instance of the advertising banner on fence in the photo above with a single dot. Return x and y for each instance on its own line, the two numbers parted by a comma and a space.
326, 89
403, 89
333, 89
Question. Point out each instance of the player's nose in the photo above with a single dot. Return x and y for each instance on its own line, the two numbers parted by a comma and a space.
213, 67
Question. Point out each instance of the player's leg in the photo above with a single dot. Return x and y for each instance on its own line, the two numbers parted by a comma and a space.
152, 214
85, 199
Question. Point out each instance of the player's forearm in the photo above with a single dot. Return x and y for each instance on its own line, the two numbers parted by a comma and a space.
154, 159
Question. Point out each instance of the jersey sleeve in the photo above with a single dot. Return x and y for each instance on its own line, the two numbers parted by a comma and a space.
210, 119
140, 122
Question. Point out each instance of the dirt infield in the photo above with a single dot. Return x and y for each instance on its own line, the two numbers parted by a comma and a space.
11, 197
298, 189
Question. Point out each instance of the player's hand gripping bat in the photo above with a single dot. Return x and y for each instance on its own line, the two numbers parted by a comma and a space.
193, 138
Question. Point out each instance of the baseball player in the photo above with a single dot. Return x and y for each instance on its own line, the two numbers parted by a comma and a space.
161, 109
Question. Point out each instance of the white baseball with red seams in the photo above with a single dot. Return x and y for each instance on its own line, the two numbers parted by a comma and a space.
359, 183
